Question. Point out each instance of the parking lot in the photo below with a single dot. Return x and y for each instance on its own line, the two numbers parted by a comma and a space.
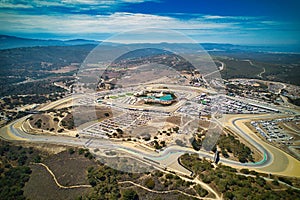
271, 130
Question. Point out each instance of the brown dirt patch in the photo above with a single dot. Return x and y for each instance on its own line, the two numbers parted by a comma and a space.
205, 123
90, 113
174, 120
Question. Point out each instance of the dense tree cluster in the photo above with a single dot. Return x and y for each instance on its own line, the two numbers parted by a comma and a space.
229, 144
104, 182
36, 88
15, 100
12, 181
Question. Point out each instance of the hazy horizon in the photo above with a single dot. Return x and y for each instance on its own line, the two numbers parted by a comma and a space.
226, 22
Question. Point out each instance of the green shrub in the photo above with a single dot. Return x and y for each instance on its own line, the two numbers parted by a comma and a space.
149, 182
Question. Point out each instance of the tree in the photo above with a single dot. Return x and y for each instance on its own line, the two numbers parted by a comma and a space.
22, 159
71, 151
196, 144
55, 119
37, 159
245, 171
156, 145
225, 154
228, 195
119, 131
149, 182
115, 134
283, 179
201, 191
80, 151
260, 181
130, 195
243, 160
169, 176
179, 142
60, 130
92, 182
275, 182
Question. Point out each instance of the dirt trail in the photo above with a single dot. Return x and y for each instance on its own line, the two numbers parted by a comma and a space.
57, 183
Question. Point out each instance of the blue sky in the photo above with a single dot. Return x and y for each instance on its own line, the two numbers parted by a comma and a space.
263, 22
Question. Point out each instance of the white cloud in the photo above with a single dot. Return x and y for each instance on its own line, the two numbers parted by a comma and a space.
6, 4
75, 4
213, 17
100, 23
89, 2
202, 27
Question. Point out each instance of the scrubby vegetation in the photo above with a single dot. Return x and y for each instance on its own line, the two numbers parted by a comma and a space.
106, 184
36, 62
233, 185
282, 70
14, 170
68, 122
239, 69
130, 194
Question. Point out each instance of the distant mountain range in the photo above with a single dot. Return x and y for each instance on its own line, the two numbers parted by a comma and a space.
9, 42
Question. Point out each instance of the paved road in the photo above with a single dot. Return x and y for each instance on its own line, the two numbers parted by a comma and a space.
267, 156
274, 160
14, 131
